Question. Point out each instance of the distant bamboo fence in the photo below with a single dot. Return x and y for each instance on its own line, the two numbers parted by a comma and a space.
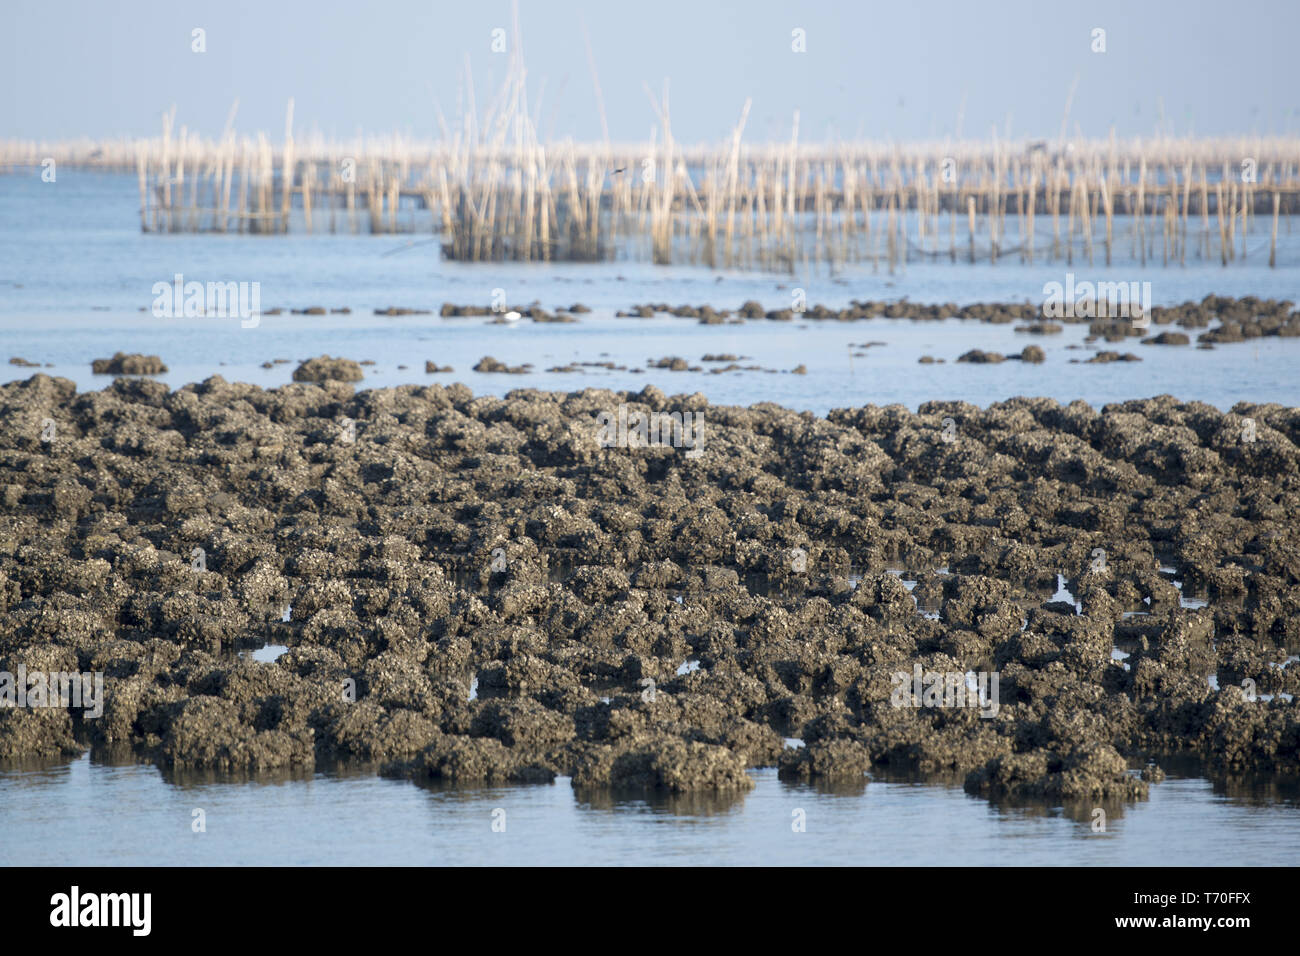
491, 191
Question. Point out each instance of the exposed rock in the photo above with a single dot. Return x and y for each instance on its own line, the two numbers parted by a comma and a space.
123, 364
326, 369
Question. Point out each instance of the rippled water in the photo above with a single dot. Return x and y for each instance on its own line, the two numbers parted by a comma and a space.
75, 273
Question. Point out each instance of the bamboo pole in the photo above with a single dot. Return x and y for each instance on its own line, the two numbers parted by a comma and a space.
1272, 247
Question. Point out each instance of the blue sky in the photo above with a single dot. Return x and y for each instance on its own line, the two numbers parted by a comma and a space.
871, 70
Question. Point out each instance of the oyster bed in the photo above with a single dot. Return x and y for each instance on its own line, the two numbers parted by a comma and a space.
410, 544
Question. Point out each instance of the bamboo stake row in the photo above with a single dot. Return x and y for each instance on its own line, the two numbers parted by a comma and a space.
493, 191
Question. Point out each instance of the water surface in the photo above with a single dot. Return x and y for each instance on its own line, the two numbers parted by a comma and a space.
89, 813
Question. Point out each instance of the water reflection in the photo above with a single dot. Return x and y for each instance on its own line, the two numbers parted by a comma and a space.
110, 808
684, 805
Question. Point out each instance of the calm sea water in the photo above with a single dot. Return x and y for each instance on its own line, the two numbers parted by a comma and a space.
90, 813
75, 273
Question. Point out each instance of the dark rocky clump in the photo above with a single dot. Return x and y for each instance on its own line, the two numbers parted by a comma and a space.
637, 617
1109, 356
123, 364
541, 315
980, 357
1168, 338
1249, 318
488, 364
1238, 319
499, 315
834, 759
450, 311
326, 369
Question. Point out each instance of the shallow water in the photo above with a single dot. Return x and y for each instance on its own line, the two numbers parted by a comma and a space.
75, 273
88, 813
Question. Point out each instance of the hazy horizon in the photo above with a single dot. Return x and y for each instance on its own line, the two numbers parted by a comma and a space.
894, 72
